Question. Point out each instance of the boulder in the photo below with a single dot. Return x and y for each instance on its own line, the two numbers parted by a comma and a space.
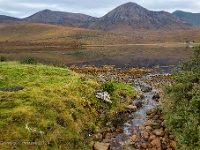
101, 146
103, 95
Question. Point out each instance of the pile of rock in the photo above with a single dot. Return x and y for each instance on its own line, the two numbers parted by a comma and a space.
153, 135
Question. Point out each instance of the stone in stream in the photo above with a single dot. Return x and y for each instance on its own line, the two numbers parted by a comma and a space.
156, 96
148, 128
148, 111
138, 103
155, 125
145, 135
158, 132
156, 143
135, 138
101, 146
131, 107
152, 137
146, 88
144, 145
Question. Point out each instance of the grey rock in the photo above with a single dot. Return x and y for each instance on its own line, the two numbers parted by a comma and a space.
12, 88
103, 95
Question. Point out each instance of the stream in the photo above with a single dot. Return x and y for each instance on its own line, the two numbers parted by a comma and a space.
135, 125
145, 129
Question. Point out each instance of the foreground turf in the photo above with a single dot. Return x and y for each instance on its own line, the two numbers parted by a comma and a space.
52, 108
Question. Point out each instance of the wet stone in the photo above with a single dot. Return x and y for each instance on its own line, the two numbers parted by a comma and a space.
155, 125
158, 132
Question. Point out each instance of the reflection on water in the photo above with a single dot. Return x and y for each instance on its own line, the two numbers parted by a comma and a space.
121, 56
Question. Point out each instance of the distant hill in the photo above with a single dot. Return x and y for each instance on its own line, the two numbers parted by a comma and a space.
127, 18
61, 18
191, 18
7, 19
131, 16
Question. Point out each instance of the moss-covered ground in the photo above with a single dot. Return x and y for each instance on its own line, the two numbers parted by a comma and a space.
55, 108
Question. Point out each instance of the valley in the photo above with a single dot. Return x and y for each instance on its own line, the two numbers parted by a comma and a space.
124, 81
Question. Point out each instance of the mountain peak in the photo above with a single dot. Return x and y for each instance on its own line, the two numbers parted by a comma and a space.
130, 4
46, 10
131, 16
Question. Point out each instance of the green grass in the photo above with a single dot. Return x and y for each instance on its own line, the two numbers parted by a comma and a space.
56, 109
181, 109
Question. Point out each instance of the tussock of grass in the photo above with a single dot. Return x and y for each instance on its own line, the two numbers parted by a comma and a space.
56, 109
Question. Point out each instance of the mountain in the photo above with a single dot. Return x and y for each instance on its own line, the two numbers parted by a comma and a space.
191, 18
61, 18
131, 17
7, 19
126, 18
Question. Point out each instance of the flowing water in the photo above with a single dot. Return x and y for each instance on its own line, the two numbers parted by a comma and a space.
139, 117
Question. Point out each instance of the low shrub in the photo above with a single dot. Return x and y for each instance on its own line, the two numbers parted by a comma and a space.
2, 59
181, 108
29, 60
109, 87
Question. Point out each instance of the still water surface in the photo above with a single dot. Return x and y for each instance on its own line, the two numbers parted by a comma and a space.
119, 56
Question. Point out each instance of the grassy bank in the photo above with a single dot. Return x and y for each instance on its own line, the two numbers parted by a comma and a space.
182, 107
53, 108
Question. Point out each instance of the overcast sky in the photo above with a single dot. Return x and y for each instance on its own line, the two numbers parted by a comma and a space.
24, 8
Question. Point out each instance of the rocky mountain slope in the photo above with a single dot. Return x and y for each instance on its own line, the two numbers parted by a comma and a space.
61, 18
130, 16
7, 19
191, 18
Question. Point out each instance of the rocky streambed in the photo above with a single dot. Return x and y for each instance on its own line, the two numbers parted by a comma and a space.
145, 129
